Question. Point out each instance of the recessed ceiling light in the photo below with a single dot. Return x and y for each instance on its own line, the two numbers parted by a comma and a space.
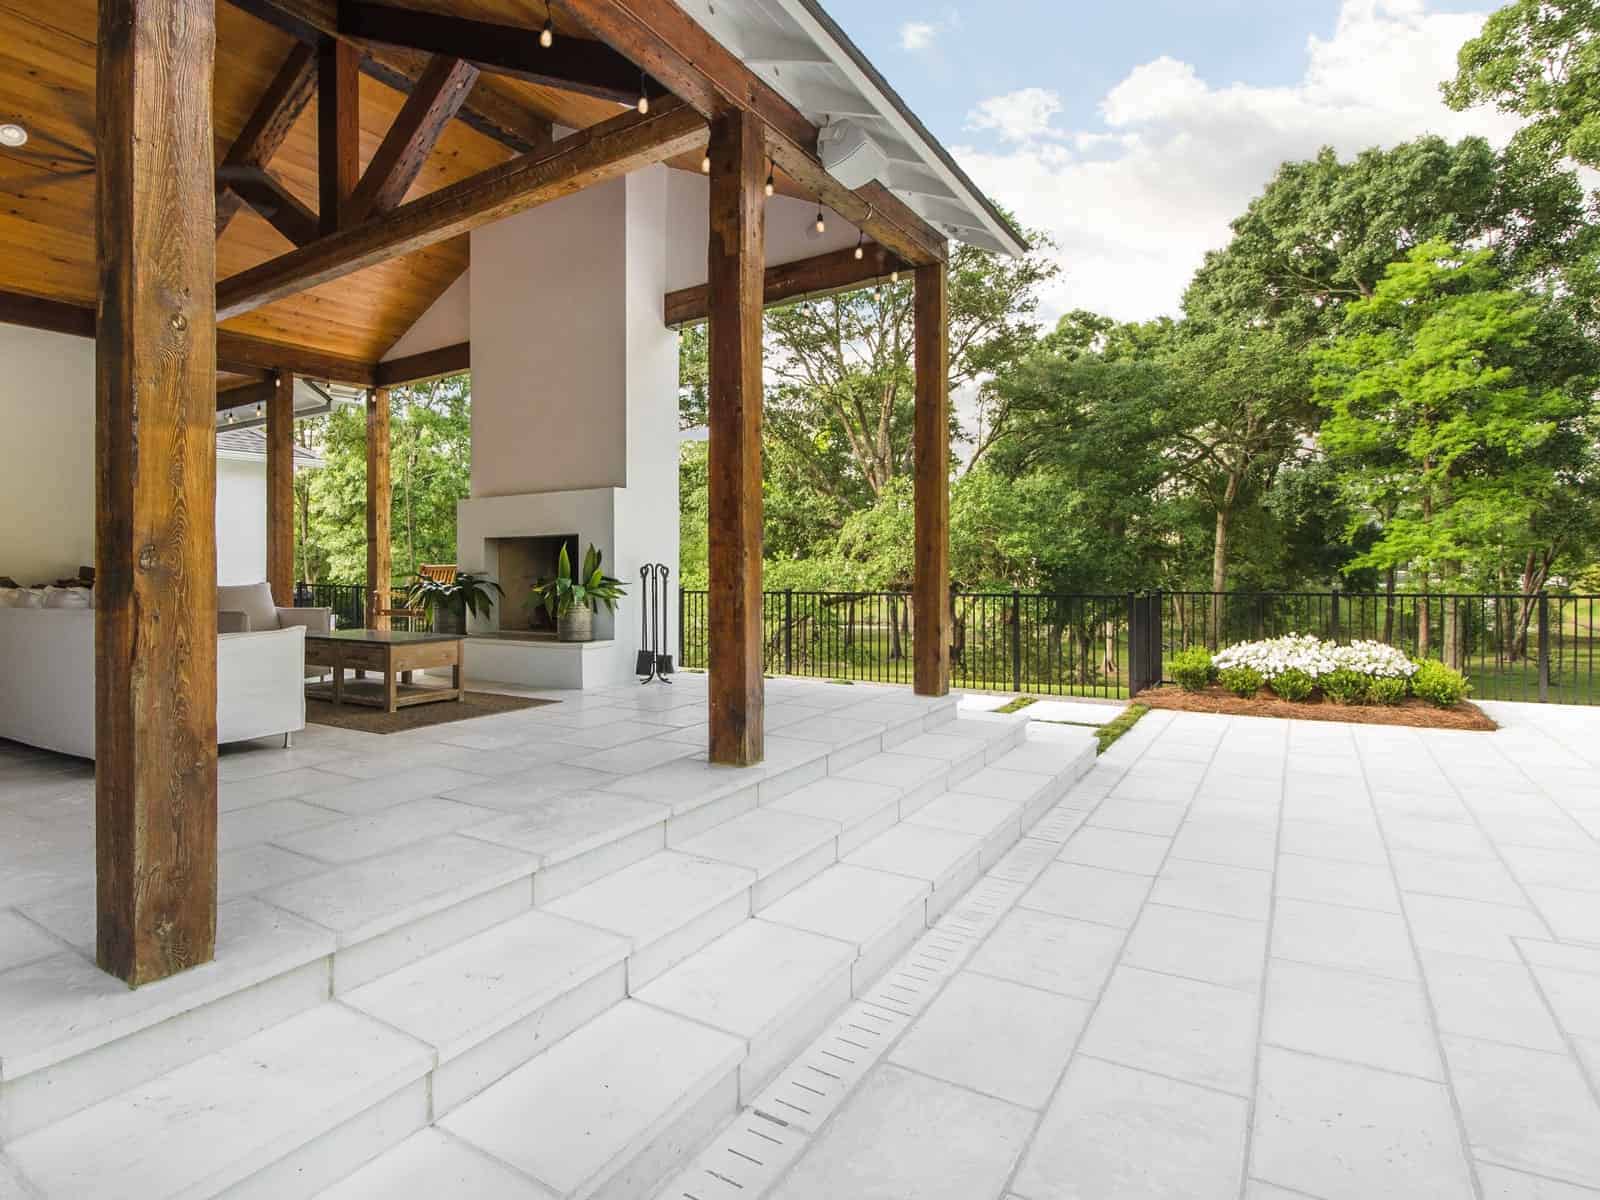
13, 135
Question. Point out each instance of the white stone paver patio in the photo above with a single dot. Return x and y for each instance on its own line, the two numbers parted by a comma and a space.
1243, 958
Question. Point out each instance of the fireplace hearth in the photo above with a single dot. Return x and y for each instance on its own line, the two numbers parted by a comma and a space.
518, 564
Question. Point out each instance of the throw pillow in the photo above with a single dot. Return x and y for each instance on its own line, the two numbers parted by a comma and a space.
254, 600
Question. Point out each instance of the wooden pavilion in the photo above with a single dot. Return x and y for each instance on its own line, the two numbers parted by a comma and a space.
227, 194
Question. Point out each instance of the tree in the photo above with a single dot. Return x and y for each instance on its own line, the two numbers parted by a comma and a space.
1539, 59
1323, 233
1446, 394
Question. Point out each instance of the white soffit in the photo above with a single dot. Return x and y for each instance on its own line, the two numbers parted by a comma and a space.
796, 47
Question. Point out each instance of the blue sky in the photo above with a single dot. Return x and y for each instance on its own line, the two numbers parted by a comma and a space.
1132, 131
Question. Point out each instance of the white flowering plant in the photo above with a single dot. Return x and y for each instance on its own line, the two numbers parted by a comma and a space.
1316, 658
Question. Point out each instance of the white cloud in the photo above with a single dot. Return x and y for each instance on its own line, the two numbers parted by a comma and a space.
918, 35
1134, 206
1017, 116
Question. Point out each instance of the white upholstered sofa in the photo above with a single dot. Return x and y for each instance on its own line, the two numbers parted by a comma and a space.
47, 678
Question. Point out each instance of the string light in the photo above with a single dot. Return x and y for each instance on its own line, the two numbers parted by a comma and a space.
822, 225
860, 249
770, 185
547, 35
894, 276
705, 162
644, 100
230, 417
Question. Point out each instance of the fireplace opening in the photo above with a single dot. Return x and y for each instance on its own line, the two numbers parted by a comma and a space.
521, 562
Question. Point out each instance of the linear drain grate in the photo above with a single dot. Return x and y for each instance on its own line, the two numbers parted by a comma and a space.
767, 1137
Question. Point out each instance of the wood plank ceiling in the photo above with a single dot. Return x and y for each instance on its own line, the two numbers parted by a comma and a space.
47, 65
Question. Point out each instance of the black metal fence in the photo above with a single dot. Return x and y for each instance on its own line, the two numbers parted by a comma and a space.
348, 601
1544, 647
1001, 641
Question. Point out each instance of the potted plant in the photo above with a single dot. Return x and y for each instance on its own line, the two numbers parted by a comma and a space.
447, 604
570, 601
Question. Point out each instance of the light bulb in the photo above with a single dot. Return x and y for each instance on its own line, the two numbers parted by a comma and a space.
547, 35
894, 276
860, 251
705, 163
259, 410
230, 418
644, 97
770, 186
822, 226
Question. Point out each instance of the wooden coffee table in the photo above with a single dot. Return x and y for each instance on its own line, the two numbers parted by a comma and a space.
393, 655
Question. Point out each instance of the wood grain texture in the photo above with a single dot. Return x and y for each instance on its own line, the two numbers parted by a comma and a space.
734, 290
823, 275
677, 50
276, 204
590, 156
438, 96
379, 567
572, 63
280, 489
429, 364
930, 449
267, 129
338, 131
155, 446
245, 395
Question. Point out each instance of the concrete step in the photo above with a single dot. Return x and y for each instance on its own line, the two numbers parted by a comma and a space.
770, 985
668, 906
282, 1113
878, 913
610, 1109
499, 998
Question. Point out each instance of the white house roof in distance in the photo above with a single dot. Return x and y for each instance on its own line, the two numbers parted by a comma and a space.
251, 443
800, 50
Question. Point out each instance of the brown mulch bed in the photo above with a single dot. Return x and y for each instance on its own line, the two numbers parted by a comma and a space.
1413, 712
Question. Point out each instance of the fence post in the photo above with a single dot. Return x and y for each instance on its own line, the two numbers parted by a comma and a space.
1016, 640
683, 647
1154, 666
788, 631
1333, 620
1135, 644
1544, 647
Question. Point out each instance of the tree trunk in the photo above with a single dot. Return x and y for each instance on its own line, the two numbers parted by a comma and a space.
896, 650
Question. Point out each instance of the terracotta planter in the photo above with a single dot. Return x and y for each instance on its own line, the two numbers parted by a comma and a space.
576, 624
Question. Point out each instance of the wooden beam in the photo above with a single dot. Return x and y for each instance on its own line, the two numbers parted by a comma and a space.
437, 98
280, 490
380, 570
280, 207
930, 448
338, 130
572, 64
677, 50
594, 155
826, 274
237, 353
264, 133
430, 364
734, 601
155, 491
247, 395
491, 114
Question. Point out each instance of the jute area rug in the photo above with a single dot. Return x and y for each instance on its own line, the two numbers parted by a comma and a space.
417, 716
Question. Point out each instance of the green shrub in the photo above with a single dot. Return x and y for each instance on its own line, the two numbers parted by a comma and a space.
1191, 668
1345, 686
1293, 684
1439, 685
1243, 682
1386, 689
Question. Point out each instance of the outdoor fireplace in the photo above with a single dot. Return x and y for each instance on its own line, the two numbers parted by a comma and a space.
519, 563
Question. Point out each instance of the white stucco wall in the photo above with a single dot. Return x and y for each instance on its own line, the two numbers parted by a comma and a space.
241, 520
448, 322
47, 468
47, 464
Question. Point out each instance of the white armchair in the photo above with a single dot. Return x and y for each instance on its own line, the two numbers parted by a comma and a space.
249, 608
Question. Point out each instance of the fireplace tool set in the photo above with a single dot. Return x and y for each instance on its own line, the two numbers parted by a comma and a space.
654, 661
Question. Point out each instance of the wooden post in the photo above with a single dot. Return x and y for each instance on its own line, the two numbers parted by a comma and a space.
155, 491
280, 489
734, 290
338, 130
931, 454
379, 568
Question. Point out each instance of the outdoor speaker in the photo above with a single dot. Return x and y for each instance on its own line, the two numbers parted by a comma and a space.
850, 155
